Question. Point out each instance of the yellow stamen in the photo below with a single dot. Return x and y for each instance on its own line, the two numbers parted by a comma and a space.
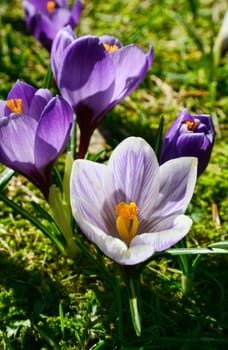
127, 222
192, 125
15, 105
51, 6
110, 48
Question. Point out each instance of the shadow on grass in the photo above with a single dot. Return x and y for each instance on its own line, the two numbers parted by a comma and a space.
26, 298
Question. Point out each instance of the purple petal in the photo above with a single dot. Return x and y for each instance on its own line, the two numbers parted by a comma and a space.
60, 18
86, 78
39, 5
17, 147
17, 140
75, 14
39, 101
62, 40
23, 91
131, 65
53, 132
110, 40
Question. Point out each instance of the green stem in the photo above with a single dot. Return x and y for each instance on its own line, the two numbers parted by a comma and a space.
72, 145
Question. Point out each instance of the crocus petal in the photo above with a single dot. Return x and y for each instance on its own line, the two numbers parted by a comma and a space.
131, 65
110, 40
2, 108
114, 247
53, 132
178, 178
63, 39
23, 91
135, 174
39, 5
165, 239
87, 182
86, 78
39, 101
14, 146
75, 14
60, 18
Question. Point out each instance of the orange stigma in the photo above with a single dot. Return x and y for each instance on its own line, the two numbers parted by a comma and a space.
110, 48
51, 6
127, 222
192, 125
15, 105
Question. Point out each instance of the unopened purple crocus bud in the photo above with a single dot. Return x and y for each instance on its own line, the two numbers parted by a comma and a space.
45, 18
34, 130
94, 74
189, 135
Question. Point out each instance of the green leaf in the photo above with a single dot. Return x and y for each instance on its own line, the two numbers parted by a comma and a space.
48, 77
133, 292
221, 244
193, 251
159, 138
5, 177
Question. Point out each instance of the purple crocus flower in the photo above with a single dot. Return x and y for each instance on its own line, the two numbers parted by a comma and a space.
45, 18
94, 74
34, 130
189, 136
132, 208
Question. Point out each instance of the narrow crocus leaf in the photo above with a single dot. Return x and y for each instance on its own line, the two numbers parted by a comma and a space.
5, 177
94, 74
131, 208
45, 18
189, 135
134, 305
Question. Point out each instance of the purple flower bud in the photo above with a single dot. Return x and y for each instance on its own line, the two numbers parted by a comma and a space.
34, 130
45, 18
189, 136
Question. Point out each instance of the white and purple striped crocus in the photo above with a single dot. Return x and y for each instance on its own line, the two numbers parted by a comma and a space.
94, 74
34, 130
45, 18
189, 135
132, 207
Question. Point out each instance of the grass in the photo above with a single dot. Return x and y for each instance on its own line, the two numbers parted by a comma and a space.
48, 301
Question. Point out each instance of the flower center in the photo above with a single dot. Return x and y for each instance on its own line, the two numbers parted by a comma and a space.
127, 222
51, 6
110, 48
192, 125
15, 105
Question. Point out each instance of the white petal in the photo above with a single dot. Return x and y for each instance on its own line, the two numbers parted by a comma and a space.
165, 239
178, 178
114, 247
134, 171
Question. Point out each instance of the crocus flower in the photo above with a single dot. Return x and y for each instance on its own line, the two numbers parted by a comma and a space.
45, 18
94, 74
132, 208
34, 130
189, 136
